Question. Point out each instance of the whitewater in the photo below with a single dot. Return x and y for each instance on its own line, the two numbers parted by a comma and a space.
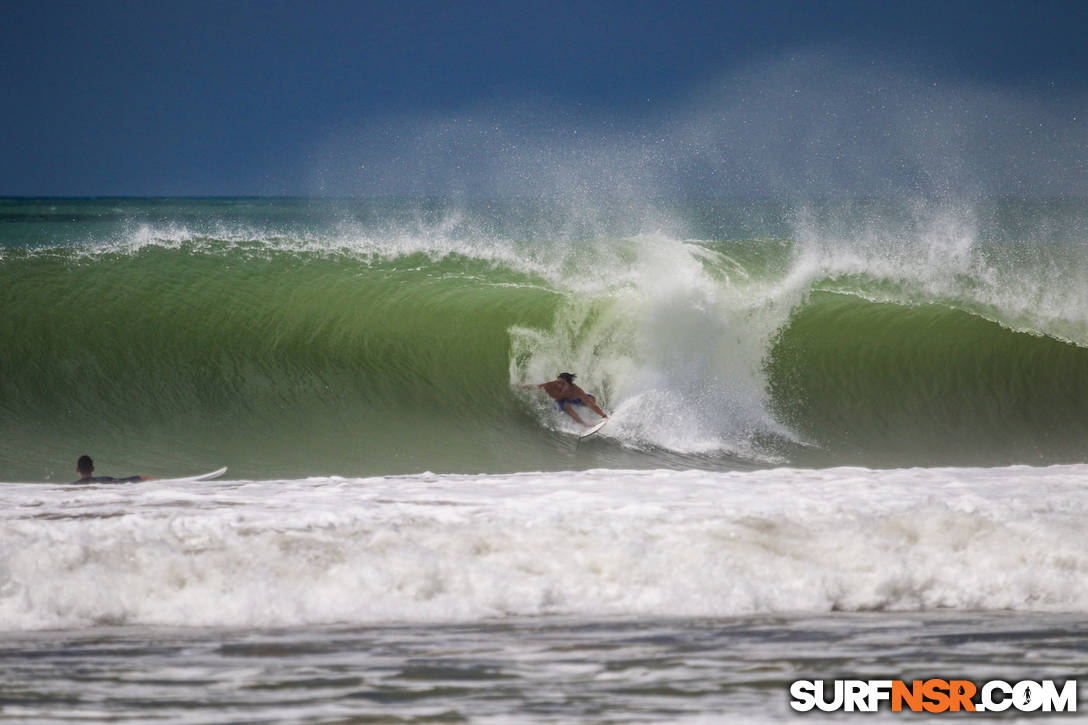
846, 437
595, 543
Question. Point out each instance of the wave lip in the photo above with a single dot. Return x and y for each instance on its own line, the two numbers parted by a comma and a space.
589, 544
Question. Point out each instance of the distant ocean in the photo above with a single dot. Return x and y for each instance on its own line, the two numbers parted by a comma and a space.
848, 438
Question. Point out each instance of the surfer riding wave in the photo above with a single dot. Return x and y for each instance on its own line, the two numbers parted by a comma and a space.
567, 395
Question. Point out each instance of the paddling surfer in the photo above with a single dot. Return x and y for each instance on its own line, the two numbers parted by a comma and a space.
567, 395
85, 469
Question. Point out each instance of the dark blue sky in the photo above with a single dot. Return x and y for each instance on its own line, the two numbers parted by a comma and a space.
368, 98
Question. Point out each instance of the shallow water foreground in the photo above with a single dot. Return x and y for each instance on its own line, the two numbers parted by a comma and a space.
546, 670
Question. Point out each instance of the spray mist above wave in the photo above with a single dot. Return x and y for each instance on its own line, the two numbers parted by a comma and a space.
808, 125
957, 255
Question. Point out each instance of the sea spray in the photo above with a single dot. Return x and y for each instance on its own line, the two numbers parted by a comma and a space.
677, 334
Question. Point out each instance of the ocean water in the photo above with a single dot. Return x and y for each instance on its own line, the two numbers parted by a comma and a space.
847, 438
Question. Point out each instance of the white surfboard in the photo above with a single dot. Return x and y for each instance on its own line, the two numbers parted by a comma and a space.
593, 428
185, 479
201, 477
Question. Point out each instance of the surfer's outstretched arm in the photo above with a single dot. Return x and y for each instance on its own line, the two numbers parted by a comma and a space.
588, 400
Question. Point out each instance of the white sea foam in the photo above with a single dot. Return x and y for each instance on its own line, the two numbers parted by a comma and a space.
675, 351
594, 543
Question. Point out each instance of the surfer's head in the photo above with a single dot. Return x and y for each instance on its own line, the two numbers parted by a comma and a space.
85, 465
565, 376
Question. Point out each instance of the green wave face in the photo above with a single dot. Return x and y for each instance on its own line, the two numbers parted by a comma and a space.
882, 384
284, 339
282, 362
